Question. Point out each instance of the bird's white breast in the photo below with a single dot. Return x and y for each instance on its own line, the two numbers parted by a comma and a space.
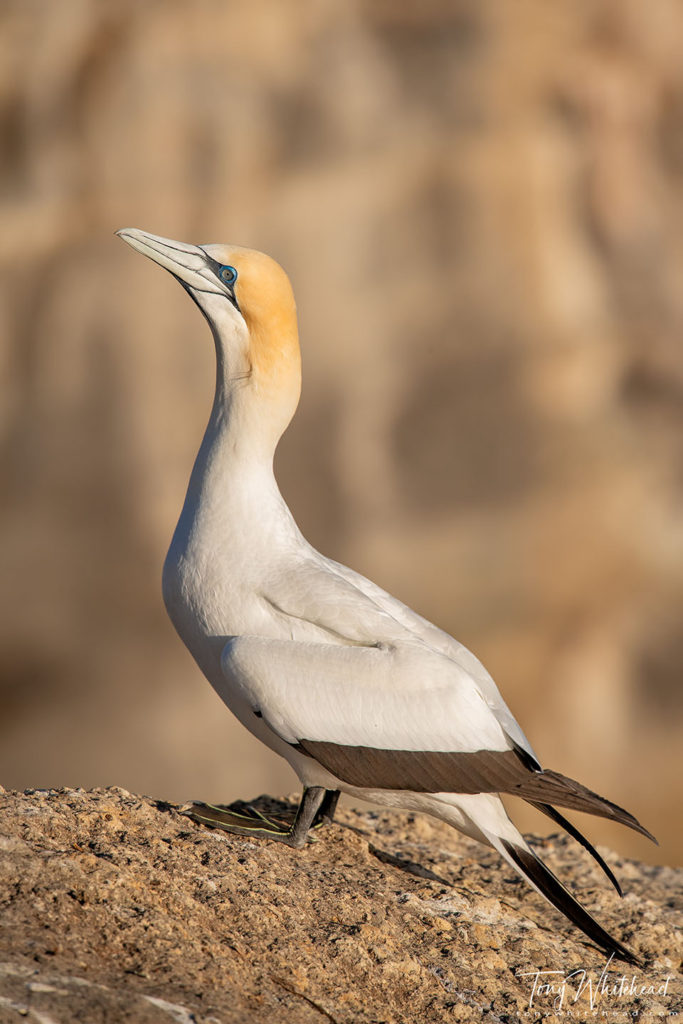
234, 535
214, 581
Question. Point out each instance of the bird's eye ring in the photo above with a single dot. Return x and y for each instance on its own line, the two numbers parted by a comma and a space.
228, 274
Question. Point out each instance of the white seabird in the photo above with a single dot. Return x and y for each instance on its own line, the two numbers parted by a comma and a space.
354, 689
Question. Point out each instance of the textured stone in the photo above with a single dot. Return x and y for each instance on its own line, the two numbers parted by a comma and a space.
116, 907
480, 205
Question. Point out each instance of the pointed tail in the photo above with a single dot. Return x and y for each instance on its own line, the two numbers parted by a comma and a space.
571, 830
532, 868
483, 817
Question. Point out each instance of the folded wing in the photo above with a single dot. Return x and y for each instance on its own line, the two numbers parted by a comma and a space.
399, 717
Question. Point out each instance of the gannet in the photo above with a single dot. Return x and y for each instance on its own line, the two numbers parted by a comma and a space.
355, 690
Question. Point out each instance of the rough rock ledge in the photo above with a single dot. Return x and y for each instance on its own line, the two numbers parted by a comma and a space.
117, 908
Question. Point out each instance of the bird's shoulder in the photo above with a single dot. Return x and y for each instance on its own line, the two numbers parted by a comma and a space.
414, 624
319, 599
330, 596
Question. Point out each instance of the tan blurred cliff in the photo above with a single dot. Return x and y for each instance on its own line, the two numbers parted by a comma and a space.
480, 205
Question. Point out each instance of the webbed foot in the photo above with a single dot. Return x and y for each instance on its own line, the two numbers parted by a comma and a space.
249, 823
316, 807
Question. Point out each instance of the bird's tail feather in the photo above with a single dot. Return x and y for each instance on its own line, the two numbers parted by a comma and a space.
560, 820
483, 817
532, 868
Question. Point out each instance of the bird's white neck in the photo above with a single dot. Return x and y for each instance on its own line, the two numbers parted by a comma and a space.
232, 488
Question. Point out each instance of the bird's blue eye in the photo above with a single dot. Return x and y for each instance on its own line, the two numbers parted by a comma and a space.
228, 274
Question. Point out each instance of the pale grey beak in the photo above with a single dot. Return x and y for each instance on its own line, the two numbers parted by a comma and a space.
190, 264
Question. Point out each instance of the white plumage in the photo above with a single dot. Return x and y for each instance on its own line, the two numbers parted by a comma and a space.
358, 692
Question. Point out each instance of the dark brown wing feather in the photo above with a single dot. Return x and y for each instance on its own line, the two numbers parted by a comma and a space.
550, 787
480, 771
421, 771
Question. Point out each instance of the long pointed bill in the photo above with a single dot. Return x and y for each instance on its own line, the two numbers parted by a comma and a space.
188, 263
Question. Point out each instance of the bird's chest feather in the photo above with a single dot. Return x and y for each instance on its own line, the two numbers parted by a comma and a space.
207, 595
214, 578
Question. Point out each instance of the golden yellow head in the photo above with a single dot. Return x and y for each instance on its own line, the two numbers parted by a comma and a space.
266, 301
239, 288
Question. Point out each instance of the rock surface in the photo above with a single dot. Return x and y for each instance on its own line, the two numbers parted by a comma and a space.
480, 204
115, 907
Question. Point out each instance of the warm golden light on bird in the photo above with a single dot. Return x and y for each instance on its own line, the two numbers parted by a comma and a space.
354, 689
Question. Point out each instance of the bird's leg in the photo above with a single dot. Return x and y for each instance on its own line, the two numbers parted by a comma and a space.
309, 808
257, 826
325, 813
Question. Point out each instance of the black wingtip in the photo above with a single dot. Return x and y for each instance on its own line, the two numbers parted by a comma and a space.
527, 759
560, 820
533, 868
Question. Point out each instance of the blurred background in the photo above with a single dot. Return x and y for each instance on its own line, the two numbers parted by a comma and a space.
480, 205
